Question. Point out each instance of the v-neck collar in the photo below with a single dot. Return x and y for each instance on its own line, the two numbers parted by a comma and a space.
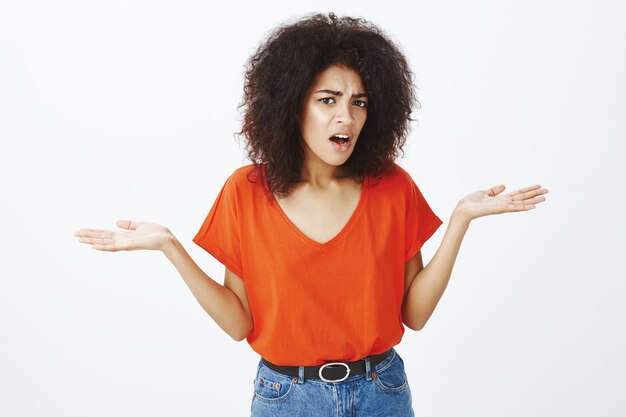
345, 229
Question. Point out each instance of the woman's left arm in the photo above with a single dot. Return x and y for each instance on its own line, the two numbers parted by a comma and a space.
430, 282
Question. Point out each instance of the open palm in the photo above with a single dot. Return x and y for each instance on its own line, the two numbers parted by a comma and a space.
491, 201
139, 235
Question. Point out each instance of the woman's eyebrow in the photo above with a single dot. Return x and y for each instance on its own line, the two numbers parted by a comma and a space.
339, 93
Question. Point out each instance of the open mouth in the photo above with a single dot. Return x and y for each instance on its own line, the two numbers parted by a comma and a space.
340, 139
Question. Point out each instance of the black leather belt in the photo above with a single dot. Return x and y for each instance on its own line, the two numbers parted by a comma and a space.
329, 372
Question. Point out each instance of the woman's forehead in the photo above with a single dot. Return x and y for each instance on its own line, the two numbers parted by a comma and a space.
338, 78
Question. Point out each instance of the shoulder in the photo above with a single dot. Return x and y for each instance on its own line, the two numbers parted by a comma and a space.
246, 182
400, 173
241, 172
240, 177
396, 178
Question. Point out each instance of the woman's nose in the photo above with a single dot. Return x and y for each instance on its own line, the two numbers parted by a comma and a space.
344, 114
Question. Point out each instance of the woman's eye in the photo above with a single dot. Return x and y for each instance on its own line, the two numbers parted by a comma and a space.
359, 103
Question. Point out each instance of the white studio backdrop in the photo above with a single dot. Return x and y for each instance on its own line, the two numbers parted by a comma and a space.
126, 110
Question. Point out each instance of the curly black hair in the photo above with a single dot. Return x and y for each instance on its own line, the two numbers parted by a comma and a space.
279, 73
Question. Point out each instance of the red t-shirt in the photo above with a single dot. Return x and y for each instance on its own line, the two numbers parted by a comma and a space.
311, 302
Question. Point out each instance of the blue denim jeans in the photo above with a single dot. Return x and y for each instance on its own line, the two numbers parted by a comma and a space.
381, 391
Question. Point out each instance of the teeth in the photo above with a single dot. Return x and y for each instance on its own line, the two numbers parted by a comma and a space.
343, 139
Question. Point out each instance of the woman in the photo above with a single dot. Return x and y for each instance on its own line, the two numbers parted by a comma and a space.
321, 235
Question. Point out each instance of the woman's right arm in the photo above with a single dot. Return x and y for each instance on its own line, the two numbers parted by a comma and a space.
226, 304
219, 302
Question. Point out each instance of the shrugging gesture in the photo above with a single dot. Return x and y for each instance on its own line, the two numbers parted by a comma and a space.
429, 284
140, 235
485, 202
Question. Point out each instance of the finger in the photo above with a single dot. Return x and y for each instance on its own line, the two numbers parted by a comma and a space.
530, 194
493, 191
524, 190
93, 233
95, 240
519, 207
535, 200
127, 224
108, 248
87, 230
105, 244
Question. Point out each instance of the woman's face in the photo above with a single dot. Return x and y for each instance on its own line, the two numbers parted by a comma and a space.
336, 103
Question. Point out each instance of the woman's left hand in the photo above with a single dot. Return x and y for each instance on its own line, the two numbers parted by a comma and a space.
486, 202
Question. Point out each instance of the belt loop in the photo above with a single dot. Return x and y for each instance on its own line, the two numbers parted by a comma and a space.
367, 368
300, 374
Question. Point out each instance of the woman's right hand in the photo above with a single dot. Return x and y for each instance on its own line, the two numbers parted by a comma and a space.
140, 235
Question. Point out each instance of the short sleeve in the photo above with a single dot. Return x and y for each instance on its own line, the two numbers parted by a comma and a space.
421, 221
219, 233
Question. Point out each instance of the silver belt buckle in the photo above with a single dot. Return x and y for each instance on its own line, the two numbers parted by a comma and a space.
335, 380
